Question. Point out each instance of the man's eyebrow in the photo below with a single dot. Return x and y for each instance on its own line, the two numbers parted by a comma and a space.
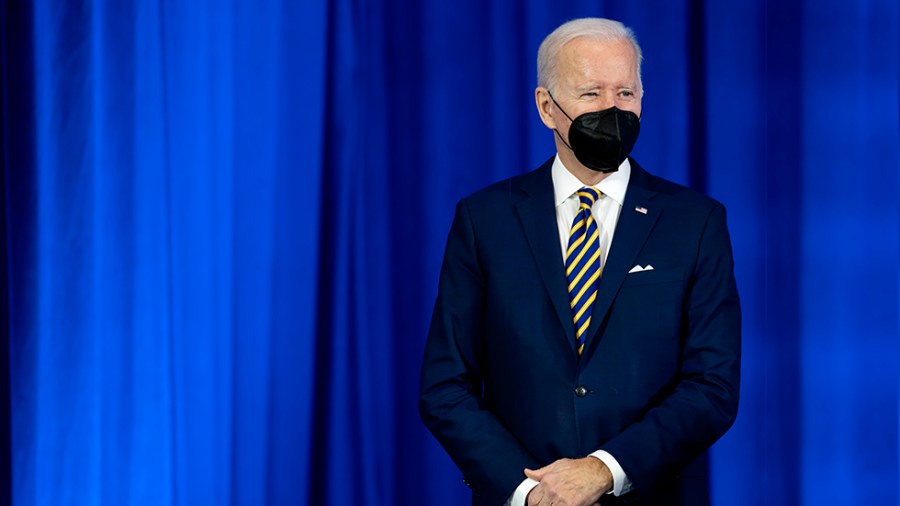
600, 86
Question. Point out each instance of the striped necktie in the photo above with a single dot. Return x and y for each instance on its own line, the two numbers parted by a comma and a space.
583, 263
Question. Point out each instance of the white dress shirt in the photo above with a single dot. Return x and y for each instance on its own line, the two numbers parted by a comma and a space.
606, 212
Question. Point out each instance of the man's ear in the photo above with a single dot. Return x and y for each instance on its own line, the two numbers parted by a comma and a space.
544, 105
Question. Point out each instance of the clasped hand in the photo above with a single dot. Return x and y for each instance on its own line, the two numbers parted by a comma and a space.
570, 482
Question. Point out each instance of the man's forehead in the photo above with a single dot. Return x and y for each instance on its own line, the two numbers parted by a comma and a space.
584, 57
586, 47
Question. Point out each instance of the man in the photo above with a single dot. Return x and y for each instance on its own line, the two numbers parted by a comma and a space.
585, 342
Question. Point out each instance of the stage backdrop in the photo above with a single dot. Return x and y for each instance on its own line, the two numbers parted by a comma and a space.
224, 222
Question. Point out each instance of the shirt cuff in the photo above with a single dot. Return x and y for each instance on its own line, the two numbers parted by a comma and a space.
621, 483
521, 494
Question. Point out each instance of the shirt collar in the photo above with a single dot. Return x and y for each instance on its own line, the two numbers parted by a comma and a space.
613, 186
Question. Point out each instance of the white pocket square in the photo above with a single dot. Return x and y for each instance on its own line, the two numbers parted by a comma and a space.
638, 268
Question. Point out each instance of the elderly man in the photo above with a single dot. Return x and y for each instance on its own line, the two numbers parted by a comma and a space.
585, 342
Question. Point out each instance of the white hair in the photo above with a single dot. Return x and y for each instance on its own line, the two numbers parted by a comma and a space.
593, 28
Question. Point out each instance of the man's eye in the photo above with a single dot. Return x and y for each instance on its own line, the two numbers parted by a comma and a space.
589, 94
627, 94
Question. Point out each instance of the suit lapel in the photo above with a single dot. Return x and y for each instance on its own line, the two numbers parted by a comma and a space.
632, 231
538, 215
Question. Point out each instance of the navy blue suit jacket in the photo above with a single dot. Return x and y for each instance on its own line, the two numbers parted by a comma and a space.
661, 365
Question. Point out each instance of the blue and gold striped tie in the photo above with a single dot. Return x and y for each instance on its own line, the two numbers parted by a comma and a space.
583, 263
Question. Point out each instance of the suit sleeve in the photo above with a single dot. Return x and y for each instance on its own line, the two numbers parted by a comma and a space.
451, 403
703, 403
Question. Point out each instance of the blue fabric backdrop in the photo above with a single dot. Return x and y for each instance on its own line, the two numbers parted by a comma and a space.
224, 221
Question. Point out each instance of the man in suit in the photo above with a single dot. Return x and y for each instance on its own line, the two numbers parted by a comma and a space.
585, 342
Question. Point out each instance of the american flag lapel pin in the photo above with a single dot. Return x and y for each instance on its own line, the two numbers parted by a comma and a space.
642, 210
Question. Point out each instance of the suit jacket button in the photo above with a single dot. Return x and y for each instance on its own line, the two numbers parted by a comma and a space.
581, 391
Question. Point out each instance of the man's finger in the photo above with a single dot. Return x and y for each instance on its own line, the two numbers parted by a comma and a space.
536, 474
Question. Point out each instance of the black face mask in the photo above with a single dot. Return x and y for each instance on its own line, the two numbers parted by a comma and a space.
602, 140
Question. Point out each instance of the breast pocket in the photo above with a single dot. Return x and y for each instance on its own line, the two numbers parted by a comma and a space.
655, 276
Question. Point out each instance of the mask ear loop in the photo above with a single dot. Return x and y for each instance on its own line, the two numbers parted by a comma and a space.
567, 116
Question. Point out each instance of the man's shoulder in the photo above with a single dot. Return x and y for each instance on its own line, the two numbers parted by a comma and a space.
671, 193
513, 189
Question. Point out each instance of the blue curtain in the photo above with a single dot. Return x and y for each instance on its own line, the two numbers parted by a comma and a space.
224, 222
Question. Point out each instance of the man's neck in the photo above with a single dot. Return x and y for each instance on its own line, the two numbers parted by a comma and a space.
587, 176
